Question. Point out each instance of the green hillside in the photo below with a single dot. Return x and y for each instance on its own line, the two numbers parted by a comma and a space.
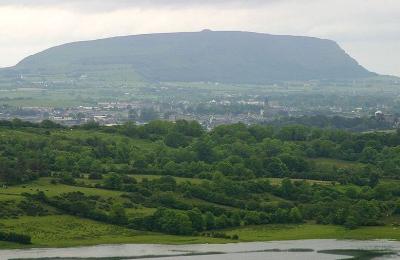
175, 183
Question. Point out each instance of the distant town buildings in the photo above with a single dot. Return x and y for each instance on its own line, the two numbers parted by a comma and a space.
209, 113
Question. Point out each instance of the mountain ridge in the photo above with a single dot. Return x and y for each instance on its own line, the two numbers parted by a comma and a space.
215, 56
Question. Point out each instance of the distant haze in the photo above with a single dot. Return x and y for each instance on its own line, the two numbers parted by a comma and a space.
369, 30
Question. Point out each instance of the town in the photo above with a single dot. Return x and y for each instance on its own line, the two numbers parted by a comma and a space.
209, 113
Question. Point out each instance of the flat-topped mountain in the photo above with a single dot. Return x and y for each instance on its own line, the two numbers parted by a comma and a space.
213, 56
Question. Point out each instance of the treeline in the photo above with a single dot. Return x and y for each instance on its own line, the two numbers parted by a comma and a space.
18, 123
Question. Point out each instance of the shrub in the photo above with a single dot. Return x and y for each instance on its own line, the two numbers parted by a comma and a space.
14, 237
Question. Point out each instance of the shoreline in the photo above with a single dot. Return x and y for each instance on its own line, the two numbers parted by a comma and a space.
188, 241
142, 251
194, 244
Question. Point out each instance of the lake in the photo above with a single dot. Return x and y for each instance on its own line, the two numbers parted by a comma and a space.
279, 250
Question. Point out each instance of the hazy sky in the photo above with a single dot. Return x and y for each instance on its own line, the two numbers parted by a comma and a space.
369, 30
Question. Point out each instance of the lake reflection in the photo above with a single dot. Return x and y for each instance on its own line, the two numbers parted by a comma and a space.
298, 249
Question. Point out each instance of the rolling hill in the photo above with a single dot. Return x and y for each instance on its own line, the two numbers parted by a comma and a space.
211, 56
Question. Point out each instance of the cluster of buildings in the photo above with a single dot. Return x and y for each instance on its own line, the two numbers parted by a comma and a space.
209, 113
112, 113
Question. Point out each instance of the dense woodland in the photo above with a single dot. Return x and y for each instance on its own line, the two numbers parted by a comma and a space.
176, 178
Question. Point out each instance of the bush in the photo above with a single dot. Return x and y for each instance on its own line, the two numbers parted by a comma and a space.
14, 237
235, 237
95, 176
220, 235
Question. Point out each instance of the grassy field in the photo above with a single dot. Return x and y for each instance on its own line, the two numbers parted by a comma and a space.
336, 163
313, 231
68, 231
51, 190
44, 184
278, 181
140, 177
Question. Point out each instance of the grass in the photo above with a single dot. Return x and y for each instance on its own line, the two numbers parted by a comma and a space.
68, 231
51, 190
45, 185
278, 181
140, 211
337, 163
140, 177
313, 231
6, 197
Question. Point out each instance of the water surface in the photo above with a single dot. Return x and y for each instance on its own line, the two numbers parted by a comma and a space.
277, 250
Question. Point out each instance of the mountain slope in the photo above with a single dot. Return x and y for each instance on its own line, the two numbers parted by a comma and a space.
230, 57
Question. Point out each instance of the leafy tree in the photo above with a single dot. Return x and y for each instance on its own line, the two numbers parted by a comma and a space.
192, 128
222, 221
287, 188
295, 215
204, 151
118, 215
197, 219
351, 222
368, 155
293, 133
209, 220
276, 167
373, 179
236, 219
173, 222
175, 139
252, 218
113, 181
